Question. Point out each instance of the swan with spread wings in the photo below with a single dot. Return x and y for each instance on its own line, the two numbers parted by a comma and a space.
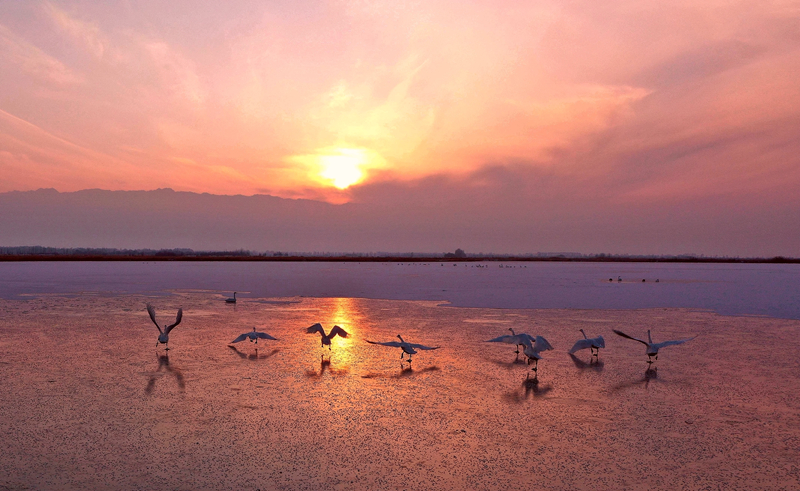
587, 342
513, 338
326, 338
533, 351
406, 347
652, 348
163, 336
253, 336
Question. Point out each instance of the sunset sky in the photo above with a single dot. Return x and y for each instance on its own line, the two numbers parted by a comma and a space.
680, 114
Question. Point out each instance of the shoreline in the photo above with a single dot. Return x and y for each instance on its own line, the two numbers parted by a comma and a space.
387, 259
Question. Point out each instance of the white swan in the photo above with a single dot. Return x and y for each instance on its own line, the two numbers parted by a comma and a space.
517, 339
326, 338
532, 351
163, 336
231, 300
652, 348
591, 343
407, 348
253, 336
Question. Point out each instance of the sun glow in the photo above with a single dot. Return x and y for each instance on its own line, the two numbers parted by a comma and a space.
343, 168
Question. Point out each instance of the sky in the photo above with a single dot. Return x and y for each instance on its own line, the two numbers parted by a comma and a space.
663, 127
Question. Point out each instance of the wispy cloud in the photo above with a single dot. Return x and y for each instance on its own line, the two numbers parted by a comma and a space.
86, 33
22, 55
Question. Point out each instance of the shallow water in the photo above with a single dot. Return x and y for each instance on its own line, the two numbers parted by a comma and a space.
731, 289
89, 402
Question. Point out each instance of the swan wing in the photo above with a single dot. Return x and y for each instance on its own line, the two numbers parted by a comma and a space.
152, 312
263, 335
541, 344
580, 344
316, 328
338, 330
421, 346
620, 333
521, 337
508, 338
241, 337
177, 321
672, 343
391, 344
599, 342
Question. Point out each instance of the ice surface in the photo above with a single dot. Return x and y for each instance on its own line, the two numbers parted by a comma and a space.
89, 402
734, 289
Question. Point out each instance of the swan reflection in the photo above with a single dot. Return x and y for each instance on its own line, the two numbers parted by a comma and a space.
255, 356
163, 362
531, 387
651, 374
509, 365
325, 366
594, 363
405, 371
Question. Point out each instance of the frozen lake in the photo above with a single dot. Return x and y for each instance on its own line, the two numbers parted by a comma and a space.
732, 289
91, 403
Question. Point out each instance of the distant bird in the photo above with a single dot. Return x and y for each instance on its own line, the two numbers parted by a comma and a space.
231, 300
253, 336
326, 338
619, 278
591, 343
532, 351
163, 336
517, 339
652, 348
408, 348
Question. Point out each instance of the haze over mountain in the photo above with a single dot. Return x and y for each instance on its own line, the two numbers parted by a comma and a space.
493, 212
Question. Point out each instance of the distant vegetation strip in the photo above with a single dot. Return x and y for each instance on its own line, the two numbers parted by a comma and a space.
39, 253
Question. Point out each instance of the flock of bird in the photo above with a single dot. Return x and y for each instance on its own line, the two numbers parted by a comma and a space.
253, 336
532, 346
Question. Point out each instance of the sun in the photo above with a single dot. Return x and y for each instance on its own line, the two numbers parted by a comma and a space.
343, 167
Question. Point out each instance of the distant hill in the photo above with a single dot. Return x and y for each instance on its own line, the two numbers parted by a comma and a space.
168, 219
433, 216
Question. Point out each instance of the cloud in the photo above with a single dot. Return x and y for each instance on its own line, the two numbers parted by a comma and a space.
15, 51
86, 33
176, 72
549, 112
